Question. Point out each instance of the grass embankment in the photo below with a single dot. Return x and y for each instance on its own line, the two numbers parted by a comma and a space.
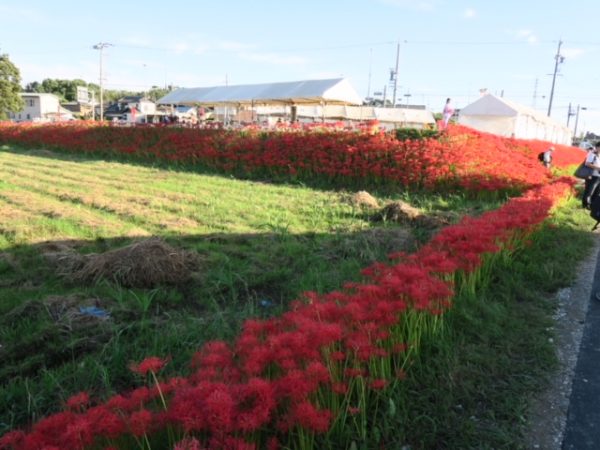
260, 246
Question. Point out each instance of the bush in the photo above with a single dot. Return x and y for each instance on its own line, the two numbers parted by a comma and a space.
403, 134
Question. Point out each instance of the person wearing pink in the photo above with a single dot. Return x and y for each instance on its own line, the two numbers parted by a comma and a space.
447, 112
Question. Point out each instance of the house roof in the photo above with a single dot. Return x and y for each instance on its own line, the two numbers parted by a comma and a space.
329, 91
37, 94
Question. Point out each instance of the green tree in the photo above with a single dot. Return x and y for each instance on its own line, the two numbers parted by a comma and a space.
10, 87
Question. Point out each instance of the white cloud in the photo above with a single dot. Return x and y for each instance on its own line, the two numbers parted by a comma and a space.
524, 35
419, 5
272, 58
572, 53
469, 13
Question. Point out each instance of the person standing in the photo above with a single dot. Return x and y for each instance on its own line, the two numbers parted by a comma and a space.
591, 183
447, 112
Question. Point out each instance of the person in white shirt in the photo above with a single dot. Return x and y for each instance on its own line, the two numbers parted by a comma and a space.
548, 157
591, 183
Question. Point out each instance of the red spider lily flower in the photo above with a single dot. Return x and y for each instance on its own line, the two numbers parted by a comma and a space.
150, 364
337, 356
353, 372
140, 422
219, 407
340, 388
78, 402
353, 410
12, 439
105, 422
378, 384
311, 418
255, 406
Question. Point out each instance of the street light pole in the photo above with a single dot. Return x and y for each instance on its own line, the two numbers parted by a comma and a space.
101, 46
396, 75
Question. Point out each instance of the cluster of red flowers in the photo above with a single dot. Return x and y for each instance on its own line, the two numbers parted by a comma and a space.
310, 371
460, 158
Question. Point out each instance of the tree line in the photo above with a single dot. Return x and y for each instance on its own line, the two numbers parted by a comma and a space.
65, 90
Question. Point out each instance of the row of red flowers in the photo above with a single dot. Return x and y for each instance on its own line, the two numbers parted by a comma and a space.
314, 371
460, 158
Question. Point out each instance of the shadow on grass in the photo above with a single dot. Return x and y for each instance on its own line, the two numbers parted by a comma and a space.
60, 334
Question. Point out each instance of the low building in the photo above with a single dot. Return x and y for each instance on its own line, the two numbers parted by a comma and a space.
40, 107
130, 109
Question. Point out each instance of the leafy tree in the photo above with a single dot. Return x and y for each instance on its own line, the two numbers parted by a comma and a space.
33, 87
10, 87
156, 92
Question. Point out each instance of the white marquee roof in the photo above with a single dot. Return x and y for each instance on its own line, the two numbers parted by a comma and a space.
490, 105
337, 91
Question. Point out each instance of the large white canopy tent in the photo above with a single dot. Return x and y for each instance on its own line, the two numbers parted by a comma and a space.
503, 117
330, 99
336, 91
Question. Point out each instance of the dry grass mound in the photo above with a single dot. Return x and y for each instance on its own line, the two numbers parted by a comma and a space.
144, 264
398, 211
362, 199
63, 256
402, 212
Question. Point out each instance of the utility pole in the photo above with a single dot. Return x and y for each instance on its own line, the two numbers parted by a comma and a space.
577, 119
569, 114
395, 74
558, 59
101, 46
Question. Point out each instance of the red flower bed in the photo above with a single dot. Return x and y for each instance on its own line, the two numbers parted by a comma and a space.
315, 369
460, 158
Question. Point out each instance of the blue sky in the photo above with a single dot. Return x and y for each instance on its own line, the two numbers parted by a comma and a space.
448, 48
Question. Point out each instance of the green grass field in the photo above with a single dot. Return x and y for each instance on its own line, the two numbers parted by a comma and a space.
258, 246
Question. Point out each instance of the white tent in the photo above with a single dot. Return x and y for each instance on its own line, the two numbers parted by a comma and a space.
337, 91
506, 118
387, 117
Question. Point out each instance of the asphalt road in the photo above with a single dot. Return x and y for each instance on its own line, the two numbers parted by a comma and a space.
582, 430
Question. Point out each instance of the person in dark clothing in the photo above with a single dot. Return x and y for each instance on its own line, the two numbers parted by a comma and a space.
591, 183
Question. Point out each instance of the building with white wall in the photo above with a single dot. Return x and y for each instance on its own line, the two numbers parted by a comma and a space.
40, 108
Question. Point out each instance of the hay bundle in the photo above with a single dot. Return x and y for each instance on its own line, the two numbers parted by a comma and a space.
363, 199
398, 211
63, 257
402, 212
144, 264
